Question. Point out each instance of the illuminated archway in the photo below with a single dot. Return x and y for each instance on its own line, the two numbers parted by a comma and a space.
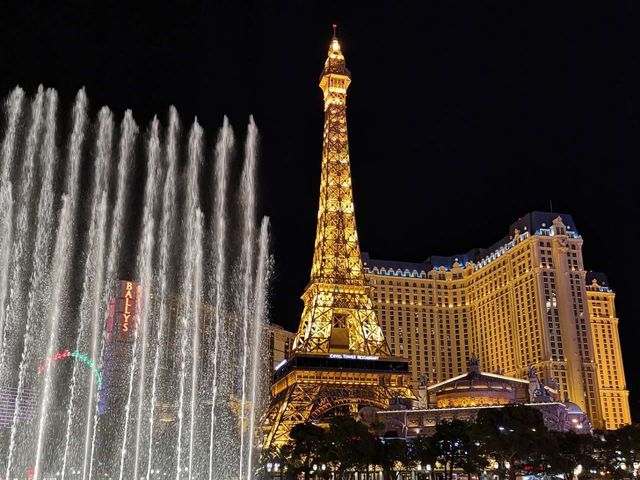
76, 355
351, 402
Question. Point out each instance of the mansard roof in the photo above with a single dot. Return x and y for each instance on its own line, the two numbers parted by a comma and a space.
532, 222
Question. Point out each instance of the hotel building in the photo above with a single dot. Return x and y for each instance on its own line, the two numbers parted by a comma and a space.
525, 301
614, 398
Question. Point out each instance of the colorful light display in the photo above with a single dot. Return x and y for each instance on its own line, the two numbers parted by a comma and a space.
66, 354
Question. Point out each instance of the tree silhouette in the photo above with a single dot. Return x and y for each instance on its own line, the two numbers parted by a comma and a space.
514, 436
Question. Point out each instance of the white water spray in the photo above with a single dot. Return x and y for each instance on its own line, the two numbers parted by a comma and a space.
166, 229
13, 108
145, 273
128, 133
191, 214
143, 267
248, 202
224, 150
59, 270
259, 323
195, 309
18, 267
95, 397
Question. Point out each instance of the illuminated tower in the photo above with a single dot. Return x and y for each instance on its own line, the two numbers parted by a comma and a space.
340, 359
338, 312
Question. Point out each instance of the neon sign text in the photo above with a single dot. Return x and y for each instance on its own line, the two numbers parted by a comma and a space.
346, 356
128, 303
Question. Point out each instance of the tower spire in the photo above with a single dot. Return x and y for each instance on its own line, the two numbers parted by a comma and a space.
338, 315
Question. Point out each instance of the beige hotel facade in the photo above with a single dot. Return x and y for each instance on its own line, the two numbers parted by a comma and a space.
525, 301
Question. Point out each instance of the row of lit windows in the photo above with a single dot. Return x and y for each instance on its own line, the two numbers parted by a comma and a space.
490, 310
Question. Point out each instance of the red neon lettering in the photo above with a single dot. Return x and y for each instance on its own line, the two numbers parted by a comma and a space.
125, 323
128, 306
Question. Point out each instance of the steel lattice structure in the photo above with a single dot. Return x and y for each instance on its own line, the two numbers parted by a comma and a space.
338, 311
338, 317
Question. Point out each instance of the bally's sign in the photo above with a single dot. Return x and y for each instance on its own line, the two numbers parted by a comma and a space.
128, 307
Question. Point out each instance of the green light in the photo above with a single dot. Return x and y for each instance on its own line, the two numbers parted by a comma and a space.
87, 361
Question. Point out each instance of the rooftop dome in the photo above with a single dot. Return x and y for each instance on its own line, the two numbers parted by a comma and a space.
477, 388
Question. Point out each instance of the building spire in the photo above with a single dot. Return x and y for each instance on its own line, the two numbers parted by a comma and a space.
335, 78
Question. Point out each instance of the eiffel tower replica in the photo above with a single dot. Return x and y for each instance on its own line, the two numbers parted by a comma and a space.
340, 360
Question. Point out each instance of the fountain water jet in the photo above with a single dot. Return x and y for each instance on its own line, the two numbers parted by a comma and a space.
248, 202
166, 228
262, 276
145, 272
128, 133
224, 149
196, 302
13, 307
171, 387
191, 215
13, 107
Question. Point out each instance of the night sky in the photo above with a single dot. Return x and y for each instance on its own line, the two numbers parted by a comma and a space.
463, 116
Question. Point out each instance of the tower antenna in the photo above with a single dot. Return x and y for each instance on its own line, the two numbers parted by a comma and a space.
334, 30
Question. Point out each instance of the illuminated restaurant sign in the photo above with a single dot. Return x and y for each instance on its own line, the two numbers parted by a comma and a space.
347, 356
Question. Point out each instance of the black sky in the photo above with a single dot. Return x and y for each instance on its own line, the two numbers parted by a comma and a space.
463, 116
